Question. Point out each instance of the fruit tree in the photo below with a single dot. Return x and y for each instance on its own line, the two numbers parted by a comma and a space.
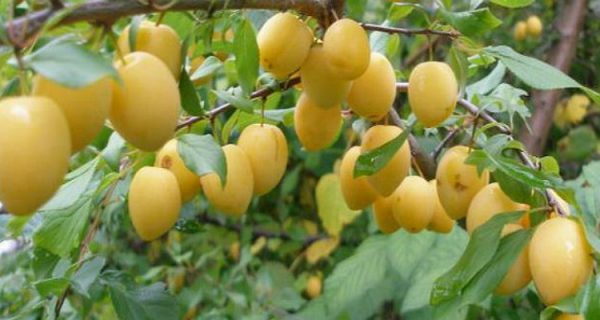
299, 159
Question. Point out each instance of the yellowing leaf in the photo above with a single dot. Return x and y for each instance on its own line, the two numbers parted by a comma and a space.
258, 245
321, 249
332, 208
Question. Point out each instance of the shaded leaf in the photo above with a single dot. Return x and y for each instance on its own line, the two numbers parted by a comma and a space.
202, 155
371, 162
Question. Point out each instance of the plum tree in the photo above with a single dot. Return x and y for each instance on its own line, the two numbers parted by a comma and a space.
279, 55
85, 108
458, 182
168, 158
373, 93
321, 84
147, 90
232, 197
159, 40
560, 259
357, 192
386, 180
432, 92
267, 150
154, 202
412, 205
347, 48
316, 128
35, 146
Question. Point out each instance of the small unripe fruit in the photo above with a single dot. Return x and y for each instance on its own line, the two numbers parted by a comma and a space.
534, 26
432, 92
316, 128
386, 180
384, 215
357, 192
560, 259
347, 48
145, 106
267, 151
154, 202
323, 87
168, 158
160, 41
373, 93
412, 205
85, 108
440, 222
568, 316
283, 44
519, 275
520, 31
234, 197
313, 287
488, 202
35, 147
458, 182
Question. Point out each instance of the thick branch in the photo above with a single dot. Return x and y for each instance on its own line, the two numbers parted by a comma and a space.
22, 29
569, 24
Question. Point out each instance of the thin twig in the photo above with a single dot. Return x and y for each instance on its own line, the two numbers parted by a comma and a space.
375, 27
438, 149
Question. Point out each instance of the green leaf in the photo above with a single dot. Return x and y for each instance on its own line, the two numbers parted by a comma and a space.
245, 49
207, 68
242, 103
62, 230
512, 3
471, 23
399, 11
331, 206
275, 284
580, 144
489, 82
189, 98
202, 155
70, 64
371, 162
52, 286
145, 303
480, 250
83, 279
77, 183
486, 280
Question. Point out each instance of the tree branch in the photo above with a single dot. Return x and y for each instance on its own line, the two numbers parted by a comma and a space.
569, 24
20, 30
375, 27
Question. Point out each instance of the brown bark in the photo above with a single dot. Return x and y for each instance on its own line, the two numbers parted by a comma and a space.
569, 25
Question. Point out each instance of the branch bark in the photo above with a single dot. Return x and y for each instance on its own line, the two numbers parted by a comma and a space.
569, 25
20, 30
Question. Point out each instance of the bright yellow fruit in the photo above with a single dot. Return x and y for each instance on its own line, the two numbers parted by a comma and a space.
373, 93
412, 205
560, 259
384, 215
440, 222
519, 275
145, 106
316, 128
567, 316
267, 151
313, 287
534, 26
357, 192
85, 108
35, 147
168, 158
234, 251
161, 41
457, 182
386, 180
576, 108
234, 198
283, 44
323, 87
520, 31
195, 65
488, 202
154, 202
432, 92
560, 117
347, 48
